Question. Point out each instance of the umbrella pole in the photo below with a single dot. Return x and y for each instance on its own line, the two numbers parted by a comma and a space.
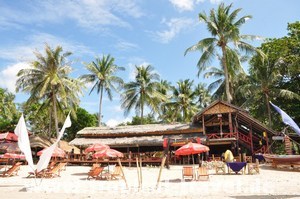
193, 166
160, 170
138, 172
120, 164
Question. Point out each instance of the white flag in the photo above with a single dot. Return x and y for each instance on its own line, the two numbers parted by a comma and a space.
23, 140
45, 158
67, 124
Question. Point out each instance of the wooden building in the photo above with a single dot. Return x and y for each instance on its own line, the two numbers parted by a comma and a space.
221, 126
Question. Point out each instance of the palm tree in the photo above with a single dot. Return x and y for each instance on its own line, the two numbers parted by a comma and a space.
47, 81
7, 107
263, 85
224, 28
142, 92
204, 97
183, 100
103, 76
164, 87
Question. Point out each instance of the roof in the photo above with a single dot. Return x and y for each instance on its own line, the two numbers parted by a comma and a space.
9, 136
120, 142
138, 130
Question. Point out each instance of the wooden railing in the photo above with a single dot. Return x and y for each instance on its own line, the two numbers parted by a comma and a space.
221, 135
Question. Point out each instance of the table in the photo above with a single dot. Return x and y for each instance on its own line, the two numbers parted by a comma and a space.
259, 157
236, 166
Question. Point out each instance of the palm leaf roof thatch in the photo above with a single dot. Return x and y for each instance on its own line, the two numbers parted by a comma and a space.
138, 130
120, 142
44, 142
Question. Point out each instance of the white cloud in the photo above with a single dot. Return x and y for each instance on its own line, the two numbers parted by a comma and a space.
86, 13
175, 26
115, 122
8, 76
36, 42
183, 5
136, 61
125, 46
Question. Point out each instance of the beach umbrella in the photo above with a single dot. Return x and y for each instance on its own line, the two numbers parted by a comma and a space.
191, 148
58, 152
108, 152
96, 147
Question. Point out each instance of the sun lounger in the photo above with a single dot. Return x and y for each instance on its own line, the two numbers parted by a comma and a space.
13, 170
117, 173
202, 173
96, 173
187, 172
55, 171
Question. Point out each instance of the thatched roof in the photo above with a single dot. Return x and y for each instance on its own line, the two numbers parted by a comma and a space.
120, 142
44, 142
138, 130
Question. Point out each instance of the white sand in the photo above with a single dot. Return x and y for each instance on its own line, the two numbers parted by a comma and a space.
73, 184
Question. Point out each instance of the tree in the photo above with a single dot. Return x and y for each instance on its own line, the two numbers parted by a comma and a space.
48, 82
182, 101
83, 119
103, 76
8, 111
142, 92
224, 27
203, 95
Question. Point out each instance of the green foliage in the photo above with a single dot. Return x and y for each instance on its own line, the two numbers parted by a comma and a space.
148, 119
83, 119
8, 111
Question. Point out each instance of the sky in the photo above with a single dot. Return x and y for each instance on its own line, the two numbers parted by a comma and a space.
134, 32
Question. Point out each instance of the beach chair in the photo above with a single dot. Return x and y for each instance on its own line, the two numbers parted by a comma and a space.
117, 173
94, 166
187, 172
95, 173
13, 170
220, 166
253, 167
55, 171
202, 173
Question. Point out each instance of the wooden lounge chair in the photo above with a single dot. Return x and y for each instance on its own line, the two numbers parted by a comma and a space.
55, 171
117, 173
94, 166
253, 167
202, 173
95, 173
13, 170
188, 172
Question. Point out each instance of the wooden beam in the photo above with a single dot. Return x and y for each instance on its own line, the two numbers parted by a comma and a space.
203, 124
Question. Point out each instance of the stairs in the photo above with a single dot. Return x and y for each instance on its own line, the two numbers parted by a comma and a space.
245, 140
288, 145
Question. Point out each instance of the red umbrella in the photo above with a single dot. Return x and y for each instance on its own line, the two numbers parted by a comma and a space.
96, 147
58, 152
13, 155
108, 152
191, 148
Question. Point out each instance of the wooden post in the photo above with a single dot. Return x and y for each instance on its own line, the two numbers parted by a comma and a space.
141, 176
251, 138
203, 125
230, 122
138, 172
120, 164
160, 170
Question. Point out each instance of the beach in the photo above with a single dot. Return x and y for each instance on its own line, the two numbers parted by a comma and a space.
73, 183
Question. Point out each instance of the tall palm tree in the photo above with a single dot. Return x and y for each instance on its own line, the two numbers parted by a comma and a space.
7, 107
48, 81
224, 27
204, 97
142, 92
164, 87
183, 100
103, 76
263, 85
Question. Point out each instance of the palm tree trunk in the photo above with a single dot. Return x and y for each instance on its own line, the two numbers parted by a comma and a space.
268, 109
100, 107
226, 74
55, 113
142, 109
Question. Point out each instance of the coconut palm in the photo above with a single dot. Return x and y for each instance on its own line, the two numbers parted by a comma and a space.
103, 76
48, 82
224, 27
203, 95
7, 107
142, 92
183, 100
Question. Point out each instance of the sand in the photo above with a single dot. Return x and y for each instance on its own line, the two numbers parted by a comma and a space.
73, 184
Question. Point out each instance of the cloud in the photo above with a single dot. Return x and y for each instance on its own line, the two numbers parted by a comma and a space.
174, 27
86, 13
183, 5
125, 46
115, 122
8, 76
135, 61
21, 52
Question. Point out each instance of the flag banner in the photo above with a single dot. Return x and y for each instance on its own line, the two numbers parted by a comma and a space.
67, 124
23, 140
287, 119
45, 158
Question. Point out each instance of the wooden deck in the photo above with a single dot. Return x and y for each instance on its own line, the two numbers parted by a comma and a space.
127, 162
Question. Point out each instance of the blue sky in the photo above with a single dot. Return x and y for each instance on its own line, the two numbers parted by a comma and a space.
134, 32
